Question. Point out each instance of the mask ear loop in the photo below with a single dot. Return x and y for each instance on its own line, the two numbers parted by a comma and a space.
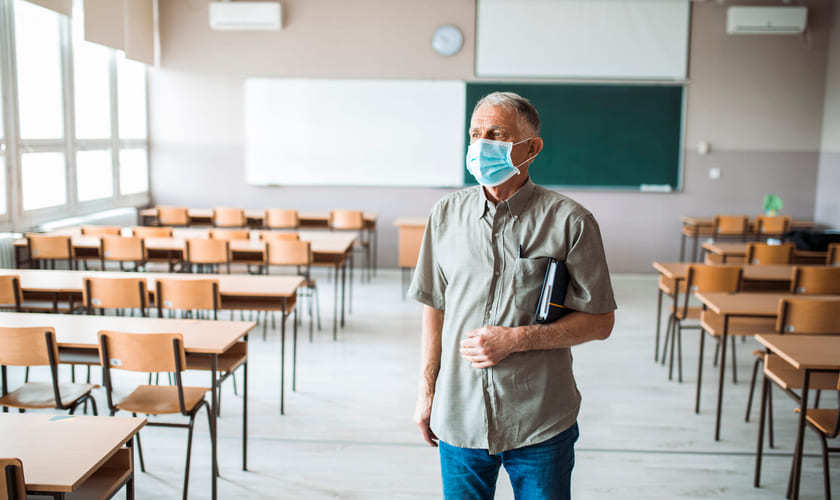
526, 160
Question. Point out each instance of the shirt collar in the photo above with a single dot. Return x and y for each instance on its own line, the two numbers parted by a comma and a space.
516, 204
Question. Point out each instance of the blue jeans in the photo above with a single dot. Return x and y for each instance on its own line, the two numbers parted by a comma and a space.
540, 471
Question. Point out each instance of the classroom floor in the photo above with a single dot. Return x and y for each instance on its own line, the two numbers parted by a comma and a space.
347, 432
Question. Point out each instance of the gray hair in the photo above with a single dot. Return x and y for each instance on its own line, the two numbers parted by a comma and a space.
525, 111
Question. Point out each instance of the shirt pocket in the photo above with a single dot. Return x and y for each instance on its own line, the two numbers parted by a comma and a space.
528, 276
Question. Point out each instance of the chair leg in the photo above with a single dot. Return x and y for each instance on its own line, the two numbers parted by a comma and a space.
752, 388
139, 450
658, 321
679, 355
235, 392
317, 308
734, 363
826, 477
699, 372
212, 426
189, 450
26, 375
666, 339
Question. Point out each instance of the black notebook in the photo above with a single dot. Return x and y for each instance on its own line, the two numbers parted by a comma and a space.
553, 293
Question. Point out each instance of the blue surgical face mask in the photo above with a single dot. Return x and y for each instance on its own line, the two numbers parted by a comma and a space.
490, 163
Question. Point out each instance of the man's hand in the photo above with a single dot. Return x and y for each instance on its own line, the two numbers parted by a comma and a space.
488, 346
422, 417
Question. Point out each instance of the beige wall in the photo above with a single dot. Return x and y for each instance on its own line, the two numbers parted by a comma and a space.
757, 99
828, 181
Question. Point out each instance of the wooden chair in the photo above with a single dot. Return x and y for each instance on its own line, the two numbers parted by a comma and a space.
10, 295
151, 232
796, 316
699, 278
173, 216
352, 220
298, 255
35, 346
208, 254
101, 231
276, 218
278, 235
730, 226
815, 280
12, 485
229, 217
764, 254
123, 249
159, 352
771, 226
48, 249
833, 257
826, 423
230, 234
188, 296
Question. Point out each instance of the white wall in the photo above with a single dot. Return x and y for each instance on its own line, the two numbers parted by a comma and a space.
828, 181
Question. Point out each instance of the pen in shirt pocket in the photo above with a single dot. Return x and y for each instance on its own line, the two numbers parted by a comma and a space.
519, 254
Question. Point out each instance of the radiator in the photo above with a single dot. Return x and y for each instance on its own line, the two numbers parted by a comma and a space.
7, 249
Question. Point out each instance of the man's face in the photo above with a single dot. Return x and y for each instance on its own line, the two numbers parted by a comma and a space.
497, 123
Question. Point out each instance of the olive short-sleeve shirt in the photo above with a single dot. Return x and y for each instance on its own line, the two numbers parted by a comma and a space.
471, 267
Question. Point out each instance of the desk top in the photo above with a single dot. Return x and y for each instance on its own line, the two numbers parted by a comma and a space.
698, 222
813, 352
238, 285
751, 303
737, 249
80, 330
256, 214
752, 272
59, 452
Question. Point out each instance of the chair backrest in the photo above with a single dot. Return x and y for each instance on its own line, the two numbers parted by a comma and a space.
230, 234
198, 294
30, 346
346, 219
12, 485
142, 352
42, 246
771, 225
101, 230
151, 232
713, 278
764, 253
208, 251
119, 248
10, 295
288, 253
815, 280
276, 218
833, 257
730, 225
809, 316
173, 216
114, 293
278, 235
229, 217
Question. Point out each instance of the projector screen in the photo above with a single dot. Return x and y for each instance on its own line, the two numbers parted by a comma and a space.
354, 132
586, 39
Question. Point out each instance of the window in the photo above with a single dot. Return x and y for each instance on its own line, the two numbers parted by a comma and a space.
3, 210
39, 81
91, 70
94, 175
44, 182
134, 171
131, 91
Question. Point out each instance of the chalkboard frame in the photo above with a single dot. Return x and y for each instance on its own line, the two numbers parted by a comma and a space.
613, 158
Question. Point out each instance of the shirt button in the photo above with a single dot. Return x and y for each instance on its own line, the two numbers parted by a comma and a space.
497, 273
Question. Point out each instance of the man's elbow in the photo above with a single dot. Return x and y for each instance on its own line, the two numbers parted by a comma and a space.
606, 322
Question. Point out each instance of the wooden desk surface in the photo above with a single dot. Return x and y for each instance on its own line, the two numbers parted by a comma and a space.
678, 270
60, 453
813, 352
256, 214
699, 222
737, 249
238, 285
80, 330
751, 303
410, 221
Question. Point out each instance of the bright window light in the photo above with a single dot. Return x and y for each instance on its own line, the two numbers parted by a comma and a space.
2, 185
44, 180
94, 175
131, 92
91, 84
134, 171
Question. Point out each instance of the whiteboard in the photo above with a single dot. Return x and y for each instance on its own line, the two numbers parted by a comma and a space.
354, 132
587, 39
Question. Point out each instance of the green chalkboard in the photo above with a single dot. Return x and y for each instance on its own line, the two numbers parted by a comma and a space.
601, 136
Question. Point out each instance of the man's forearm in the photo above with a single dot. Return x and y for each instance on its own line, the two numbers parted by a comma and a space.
431, 349
571, 330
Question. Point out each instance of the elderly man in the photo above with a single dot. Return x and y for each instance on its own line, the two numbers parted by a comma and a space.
497, 389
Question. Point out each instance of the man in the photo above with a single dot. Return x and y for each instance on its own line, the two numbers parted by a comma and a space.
495, 388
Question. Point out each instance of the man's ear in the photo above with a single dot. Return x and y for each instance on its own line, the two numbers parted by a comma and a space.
535, 147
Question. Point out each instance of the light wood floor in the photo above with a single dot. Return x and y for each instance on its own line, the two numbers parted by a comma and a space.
347, 432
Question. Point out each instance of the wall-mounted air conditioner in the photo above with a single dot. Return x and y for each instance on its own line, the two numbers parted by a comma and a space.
742, 20
245, 15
